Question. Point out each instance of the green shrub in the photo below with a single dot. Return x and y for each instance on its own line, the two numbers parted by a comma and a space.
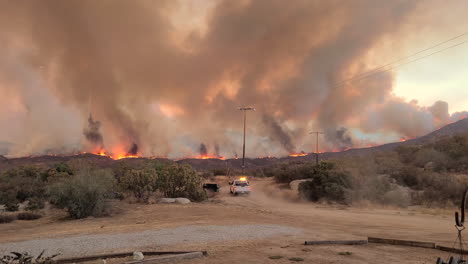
290, 171
408, 176
6, 219
28, 216
35, 204
12, 207
140, 182
326, 184
181, 181
275, 257
83, 194
20, 184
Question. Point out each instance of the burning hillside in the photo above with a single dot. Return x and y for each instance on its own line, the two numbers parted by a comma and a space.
220, 163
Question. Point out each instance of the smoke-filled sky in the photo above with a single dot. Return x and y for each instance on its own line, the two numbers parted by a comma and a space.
165, 78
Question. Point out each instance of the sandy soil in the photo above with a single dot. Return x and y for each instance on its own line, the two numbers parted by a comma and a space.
266, 205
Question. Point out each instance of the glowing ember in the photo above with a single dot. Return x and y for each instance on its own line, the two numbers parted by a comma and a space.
298, 154
402, 139
116, 154
207, 156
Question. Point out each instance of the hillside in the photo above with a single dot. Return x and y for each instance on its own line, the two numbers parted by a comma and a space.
235, 164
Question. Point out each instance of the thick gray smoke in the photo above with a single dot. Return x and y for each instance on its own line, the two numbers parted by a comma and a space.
93, 135
203, 150
159, 88
278, 134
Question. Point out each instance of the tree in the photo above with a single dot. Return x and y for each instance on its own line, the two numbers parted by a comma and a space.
140, 182
83, 194
181, 181
327, 183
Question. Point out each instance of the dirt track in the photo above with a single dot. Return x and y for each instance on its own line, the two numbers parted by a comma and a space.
266, 205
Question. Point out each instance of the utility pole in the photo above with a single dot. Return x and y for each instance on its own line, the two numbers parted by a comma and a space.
245, 109
316, 144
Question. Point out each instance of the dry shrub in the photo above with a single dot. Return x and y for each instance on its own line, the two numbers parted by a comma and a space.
181, 181
28, 216
326, 183
6, 219
84, 194
140, 182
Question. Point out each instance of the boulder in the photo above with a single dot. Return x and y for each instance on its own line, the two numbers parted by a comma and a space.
138, 256
22, 206
166, 200
182, 200
294, 185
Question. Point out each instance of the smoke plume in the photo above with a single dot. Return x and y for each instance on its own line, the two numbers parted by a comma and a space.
159, 82
203, 151
93, 135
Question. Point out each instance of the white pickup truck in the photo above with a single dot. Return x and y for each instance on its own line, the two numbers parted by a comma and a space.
240, 186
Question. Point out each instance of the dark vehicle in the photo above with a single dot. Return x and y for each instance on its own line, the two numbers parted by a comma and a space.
211, 186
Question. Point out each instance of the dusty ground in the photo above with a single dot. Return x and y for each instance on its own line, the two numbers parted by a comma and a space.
266, 205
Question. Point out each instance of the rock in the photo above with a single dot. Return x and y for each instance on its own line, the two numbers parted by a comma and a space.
294, 185
182, 200
166, 200
429, 166
138, 256
23, 205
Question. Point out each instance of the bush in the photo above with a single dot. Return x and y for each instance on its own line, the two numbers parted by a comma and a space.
6, 219
141, 183
181, 181
12, 207
326, 184
28, 216
20, 184
83, 194
290, 171
35, 204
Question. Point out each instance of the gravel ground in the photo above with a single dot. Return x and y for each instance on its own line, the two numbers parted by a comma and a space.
102, 243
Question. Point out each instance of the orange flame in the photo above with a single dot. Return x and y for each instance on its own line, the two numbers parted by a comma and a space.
116, 154
208, 156
298, 154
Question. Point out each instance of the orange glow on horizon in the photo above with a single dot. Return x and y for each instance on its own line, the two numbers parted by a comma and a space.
298, 154
208, 156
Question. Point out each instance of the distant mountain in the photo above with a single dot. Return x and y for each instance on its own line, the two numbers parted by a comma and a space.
452, 129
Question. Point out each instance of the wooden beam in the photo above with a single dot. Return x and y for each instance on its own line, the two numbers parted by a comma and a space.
120, 255
169, 258
336, 242
408, 243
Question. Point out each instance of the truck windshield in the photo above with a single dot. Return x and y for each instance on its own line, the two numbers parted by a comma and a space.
242, 183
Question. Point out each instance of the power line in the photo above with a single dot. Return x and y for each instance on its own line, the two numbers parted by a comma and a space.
377, 70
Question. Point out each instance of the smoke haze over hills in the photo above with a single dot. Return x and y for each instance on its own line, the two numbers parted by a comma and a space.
159, 90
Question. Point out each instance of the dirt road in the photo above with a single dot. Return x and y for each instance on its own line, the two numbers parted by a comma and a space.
267, 205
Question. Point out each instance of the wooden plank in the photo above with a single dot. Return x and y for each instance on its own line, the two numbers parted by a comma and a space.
336, 242
451, 250
169, 258
120, 255
408, 243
